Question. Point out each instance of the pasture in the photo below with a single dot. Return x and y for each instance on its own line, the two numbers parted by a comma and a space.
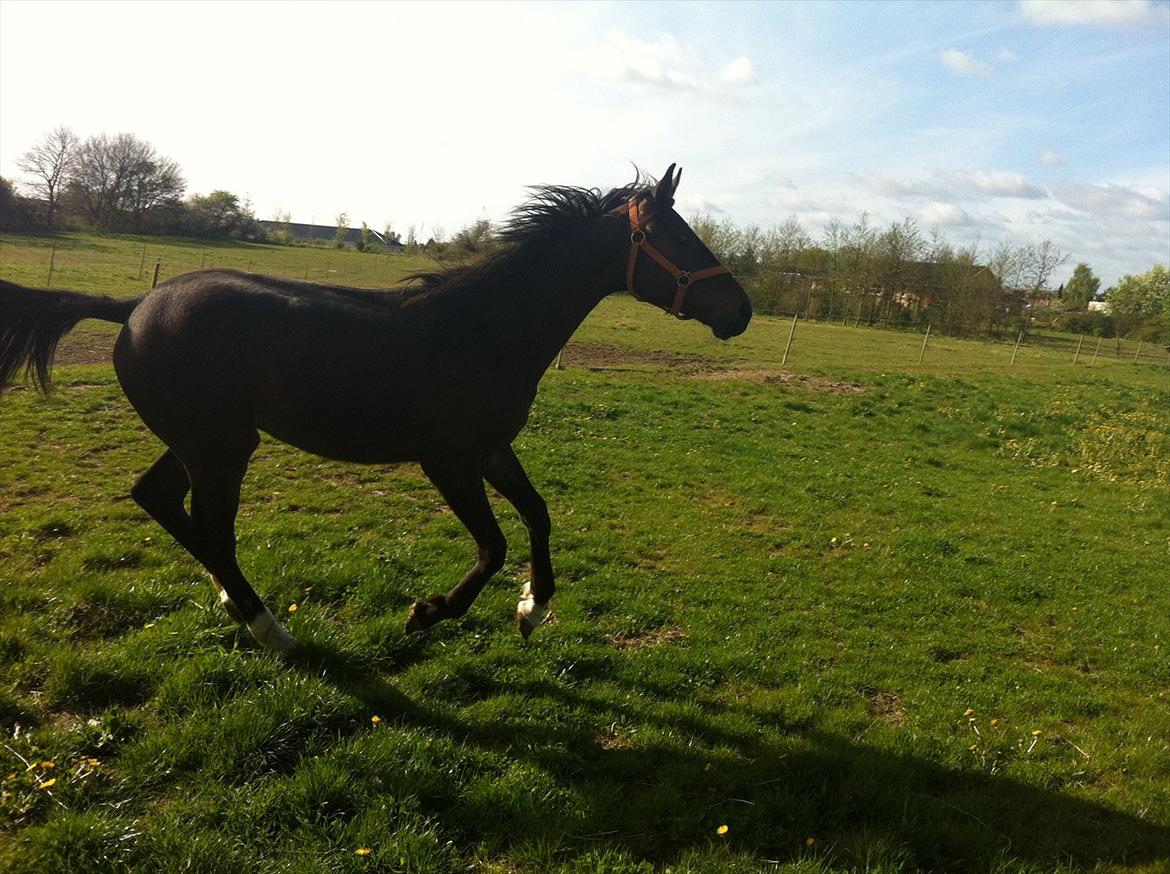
857, 614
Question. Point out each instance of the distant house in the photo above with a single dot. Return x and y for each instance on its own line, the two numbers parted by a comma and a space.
328, 233
1098, 304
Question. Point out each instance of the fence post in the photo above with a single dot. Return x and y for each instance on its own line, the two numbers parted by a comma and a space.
1139, 348
560, 355
788, 346
52, 262
202, 258
1077, 357
1017, 348
925, 340
1095, 351
157, 265
142, 262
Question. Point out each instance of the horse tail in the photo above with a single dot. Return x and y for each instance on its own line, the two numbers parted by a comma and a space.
33, 321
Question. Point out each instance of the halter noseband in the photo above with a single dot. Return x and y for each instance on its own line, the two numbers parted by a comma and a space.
683, 278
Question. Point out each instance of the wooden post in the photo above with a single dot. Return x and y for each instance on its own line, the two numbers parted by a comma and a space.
1095, 351
52, 262
202, 258
925, 340
791, 332
142, 262
306, 271
1139, 349
1077, 357
560, 355
1017, 348
157, 265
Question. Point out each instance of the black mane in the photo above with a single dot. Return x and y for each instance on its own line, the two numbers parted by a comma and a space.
546, 220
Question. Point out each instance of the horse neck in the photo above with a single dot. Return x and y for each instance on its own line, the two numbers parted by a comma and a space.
551, 296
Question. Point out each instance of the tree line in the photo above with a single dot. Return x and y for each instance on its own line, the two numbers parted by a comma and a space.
116, 183
901, 275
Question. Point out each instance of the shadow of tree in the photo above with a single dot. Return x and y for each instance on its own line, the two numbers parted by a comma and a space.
655, 799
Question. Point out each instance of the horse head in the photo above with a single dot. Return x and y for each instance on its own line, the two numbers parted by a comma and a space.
670, 267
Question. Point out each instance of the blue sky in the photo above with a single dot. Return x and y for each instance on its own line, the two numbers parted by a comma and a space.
990, 120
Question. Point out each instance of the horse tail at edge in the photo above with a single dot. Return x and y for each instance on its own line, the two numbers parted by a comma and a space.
33, 321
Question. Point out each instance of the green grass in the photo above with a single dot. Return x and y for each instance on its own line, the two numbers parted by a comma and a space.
777, 605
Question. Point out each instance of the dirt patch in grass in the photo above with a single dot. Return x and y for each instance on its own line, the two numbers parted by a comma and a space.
658, 637
767, 377
86, 348
602, 357
886, 707
598, 356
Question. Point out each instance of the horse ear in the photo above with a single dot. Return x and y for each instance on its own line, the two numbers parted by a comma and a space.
664, 191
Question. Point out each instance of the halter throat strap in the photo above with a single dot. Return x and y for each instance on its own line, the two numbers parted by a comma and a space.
684, 279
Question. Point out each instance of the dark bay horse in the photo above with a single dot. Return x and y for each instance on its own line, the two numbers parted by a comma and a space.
441, 371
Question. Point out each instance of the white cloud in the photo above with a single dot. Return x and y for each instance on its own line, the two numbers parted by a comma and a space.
1114, 201
978, 184
996, 183
1006, 55
656, 63
738, 72
697, 204
1103, 13
944, 215
1047, 156
899, 187
662, 63
963, 64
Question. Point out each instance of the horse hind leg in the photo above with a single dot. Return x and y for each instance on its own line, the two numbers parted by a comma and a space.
161, 492
461, 486
215, 499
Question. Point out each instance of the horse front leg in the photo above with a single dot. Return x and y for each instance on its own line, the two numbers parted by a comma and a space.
461, 486
504, 471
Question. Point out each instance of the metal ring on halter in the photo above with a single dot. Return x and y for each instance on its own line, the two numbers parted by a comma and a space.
638, 236
683, 278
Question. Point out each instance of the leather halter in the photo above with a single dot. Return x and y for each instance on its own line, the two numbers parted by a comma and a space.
684, 279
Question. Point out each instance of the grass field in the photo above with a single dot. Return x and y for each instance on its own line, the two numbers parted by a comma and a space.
854, 615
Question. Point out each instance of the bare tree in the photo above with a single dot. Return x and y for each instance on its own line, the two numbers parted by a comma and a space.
48, 163
117, 180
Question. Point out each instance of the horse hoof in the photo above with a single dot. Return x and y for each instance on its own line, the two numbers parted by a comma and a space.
529, 614
423, 614
227, 603
271, 633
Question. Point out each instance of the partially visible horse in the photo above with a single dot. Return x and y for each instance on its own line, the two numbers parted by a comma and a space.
441, 371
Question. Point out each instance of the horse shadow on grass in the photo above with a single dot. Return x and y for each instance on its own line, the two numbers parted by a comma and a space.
775, 790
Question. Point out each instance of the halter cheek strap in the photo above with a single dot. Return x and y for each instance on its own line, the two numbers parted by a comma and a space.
684, 279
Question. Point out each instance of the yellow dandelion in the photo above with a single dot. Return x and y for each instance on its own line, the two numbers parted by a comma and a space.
93, 763
809, 841
292, 608
377, 720
722, 830
994, 723
1037, 733
148, 625
973, 747
48, 784
48, 765
362, 851
968, 712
